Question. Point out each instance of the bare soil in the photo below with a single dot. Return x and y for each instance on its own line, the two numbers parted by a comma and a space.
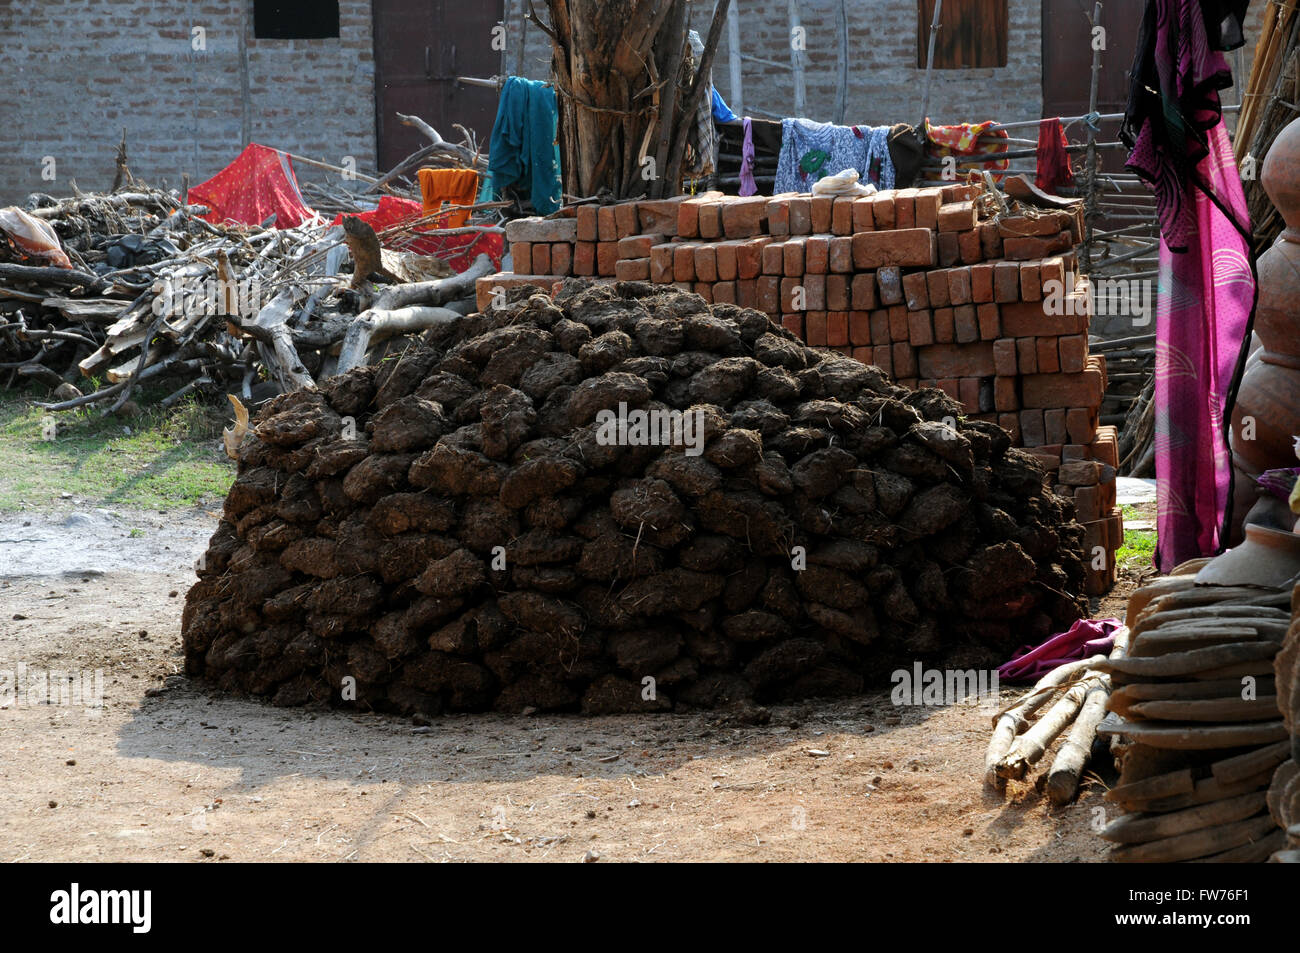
171, 771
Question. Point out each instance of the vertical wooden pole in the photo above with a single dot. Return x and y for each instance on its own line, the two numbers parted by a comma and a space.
737, 103
929, 63
842, 93
521, 54
796, 62
1090, 203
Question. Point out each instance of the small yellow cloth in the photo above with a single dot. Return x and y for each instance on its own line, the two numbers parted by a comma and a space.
450, 186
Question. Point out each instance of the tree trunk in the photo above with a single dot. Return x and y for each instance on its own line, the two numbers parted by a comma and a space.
617, 69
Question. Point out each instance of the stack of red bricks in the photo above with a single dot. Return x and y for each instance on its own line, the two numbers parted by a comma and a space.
910, 280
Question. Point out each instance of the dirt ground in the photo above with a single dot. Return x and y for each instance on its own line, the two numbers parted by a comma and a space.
168, 770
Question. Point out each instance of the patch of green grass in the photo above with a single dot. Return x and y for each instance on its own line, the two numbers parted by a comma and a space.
157, 460
1137, 542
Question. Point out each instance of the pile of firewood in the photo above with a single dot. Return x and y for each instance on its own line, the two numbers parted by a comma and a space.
155, 295
469, 526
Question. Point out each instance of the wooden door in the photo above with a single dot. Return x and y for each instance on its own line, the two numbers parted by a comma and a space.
421, 46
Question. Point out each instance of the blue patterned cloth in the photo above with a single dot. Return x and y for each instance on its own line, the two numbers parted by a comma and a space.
850, 147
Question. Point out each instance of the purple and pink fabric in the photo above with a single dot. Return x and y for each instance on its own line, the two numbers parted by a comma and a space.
1086, 638
1207, 284
747, 184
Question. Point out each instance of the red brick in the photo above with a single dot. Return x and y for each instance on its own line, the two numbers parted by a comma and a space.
837, 328
816, 254
899, 329
815, 323
913, 247
724, 260
1032, 431
840, 257
1004, 357
1044, 225
584, 259
711, 221
542, 259
890, 282
774, 258
905, 208
1031, 284
981, 283
1062, 390
990, 241
684, 262
916, 291
744, 217
606, 258
747, 293
768, 289
904, 359
837, 293
1074, 353
958, 217
626, 221
968, 246
688, 214
927, 205
949, 386
793, 257
1011, 424
638, 246
842, 216
864, 215
1106, 447
864, 292
883, 357
662, 268
706, 263
822, 212
1053, 269
778, 216
880, 335
959, 286
1081, 424
863, 354
1028, 249
860, 327
800, 216
1054, 426
658, 216
587, 222
521, 254
937, 287
1027, 355
749, 258
949, 249
968, 392
724, 292
1006, 282
966, 323
989, 321
920, 330
882, 211
945, 330
794, 324
1049, 361
606, 224
790, 288
1026, 318
1004, 394
632, 269
814, 292
960, 192
957, 360
561, 258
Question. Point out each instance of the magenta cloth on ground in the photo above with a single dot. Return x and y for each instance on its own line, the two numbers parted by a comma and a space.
1207, 285
1086, 637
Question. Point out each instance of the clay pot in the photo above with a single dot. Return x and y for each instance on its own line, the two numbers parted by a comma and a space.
1270, 389
1268, 557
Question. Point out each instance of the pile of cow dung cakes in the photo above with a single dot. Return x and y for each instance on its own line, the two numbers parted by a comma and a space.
462, 527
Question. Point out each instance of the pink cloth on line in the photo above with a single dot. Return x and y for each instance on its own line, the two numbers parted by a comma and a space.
1086, 637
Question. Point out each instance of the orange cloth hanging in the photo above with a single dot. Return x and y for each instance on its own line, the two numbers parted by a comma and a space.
452, 186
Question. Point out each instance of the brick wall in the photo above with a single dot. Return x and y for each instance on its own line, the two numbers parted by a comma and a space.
78, 71
884, 82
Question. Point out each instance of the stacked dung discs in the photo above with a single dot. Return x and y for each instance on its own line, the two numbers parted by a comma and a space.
1197, 708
